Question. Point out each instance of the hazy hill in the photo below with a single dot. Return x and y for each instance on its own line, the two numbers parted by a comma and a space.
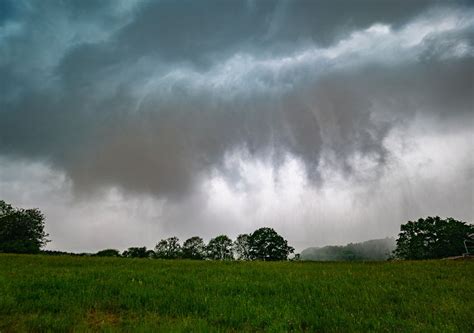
375, 249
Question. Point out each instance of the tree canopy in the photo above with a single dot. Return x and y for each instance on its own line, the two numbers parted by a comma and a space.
267, 244
21, 230
108, 253
194, 248
137, 252
432, 238
241, 247
168, 248
220, 248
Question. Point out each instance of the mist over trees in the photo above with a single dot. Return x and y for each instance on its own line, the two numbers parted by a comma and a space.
426, 238
375, 249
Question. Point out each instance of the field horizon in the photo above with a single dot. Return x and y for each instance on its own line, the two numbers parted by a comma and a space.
63, 293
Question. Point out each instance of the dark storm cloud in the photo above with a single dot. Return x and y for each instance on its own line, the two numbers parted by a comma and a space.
152, 97
199, 32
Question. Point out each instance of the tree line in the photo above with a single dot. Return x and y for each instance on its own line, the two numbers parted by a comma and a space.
263, 244
22, 231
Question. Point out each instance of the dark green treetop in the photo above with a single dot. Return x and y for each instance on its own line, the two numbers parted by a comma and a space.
432, 238
168, 248
194, 248
267, 244
241, 247
21, 230
220, 248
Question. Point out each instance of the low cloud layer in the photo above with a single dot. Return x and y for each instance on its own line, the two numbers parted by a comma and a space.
217, 117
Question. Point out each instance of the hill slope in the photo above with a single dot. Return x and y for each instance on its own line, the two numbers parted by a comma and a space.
375, 249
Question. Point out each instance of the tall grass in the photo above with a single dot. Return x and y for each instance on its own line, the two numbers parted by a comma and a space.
43, 293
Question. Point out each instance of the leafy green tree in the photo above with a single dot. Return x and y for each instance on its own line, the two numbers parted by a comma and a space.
432, 238
241, 247
194, 248
168, 249
137, 252
267, 244
220, 248
21, 230
108, 253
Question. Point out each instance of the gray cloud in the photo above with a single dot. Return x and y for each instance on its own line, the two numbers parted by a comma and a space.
153, 97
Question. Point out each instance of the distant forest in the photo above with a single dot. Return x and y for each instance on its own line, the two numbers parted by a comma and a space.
376, 249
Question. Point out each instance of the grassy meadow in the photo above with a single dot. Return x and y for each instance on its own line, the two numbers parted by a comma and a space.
46, 293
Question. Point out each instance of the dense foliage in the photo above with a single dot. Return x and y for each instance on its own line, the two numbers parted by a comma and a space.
432, 238
168, 249
220, 248
263, 244
137, 252
267, 244
241, 247
194, 248
108, 253
21, 230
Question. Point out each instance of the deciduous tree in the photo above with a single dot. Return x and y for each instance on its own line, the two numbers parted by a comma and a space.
21, 230
137, 252
267, 244
220, 248
432, 238
168, 249
241, 247
108, 253
194, 248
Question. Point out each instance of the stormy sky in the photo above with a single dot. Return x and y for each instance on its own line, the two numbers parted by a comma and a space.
331, 121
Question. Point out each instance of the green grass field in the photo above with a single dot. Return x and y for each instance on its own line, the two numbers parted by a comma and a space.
41, 293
